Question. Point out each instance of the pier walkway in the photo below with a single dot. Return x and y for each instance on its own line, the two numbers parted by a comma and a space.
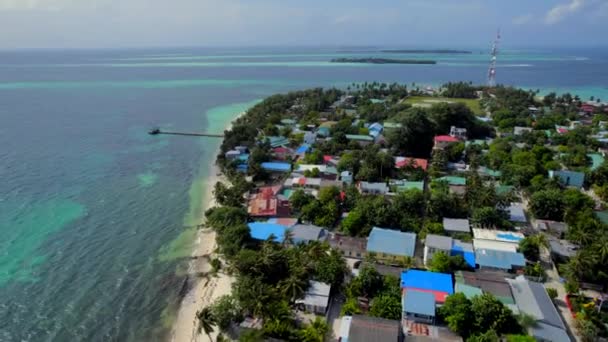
157, 131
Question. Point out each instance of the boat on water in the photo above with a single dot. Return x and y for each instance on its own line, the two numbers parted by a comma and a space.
154, 131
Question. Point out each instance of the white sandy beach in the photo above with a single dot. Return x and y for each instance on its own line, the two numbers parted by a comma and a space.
204, 292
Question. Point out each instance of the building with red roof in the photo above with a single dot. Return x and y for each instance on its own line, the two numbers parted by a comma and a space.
588, 108
268, 202
281, 153
419, 163
443, 141
439, 284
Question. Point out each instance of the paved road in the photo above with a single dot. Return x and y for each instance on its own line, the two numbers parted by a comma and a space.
553, 281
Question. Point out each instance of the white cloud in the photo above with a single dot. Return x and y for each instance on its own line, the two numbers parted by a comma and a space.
559, 12
522, 19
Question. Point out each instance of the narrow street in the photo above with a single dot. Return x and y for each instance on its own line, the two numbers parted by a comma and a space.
553, 281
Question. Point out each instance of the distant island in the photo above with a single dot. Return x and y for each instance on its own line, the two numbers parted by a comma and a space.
443, 51
382, 61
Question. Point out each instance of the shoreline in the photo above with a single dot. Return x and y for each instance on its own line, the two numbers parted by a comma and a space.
204, 290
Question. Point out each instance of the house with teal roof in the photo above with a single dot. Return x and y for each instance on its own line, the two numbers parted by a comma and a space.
278, 141
361, 139
453, 180
568, 178
391, 125
409, 185
596, 160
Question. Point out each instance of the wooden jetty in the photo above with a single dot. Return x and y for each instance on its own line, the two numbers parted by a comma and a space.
156, 131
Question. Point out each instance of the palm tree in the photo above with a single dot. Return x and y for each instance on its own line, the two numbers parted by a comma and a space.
288, 237
602, 249
316, 250
206, 321
294, 286
315, 332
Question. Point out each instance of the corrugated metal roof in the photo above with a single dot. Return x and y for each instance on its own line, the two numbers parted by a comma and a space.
276, 166
263, 230
303, 149
516, 212
418, 302
425, 280
505, 260
411, 185
366, 329
359, 137
391, 242
468, 290
596, 160
304, 233
438, 241
569, 178
376, 187
532, 298
547, 332
278, 141
453, 180
465, 249
456, 225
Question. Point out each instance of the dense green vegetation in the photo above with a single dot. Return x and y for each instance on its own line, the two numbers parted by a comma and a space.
477, 316
271, 276
382, 292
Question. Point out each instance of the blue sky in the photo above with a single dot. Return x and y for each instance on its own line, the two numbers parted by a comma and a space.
437, 23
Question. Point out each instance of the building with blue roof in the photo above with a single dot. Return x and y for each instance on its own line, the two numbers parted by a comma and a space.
376, 127
439, 284
391, 246
499, 259
304, 148
263, 230
452, 247
464, 249
323, 131
419, 306
276, 167
569, 178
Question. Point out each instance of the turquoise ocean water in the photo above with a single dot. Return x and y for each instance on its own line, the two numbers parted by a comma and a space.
94, 212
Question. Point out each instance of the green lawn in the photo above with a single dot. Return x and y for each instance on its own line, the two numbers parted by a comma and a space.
429, 101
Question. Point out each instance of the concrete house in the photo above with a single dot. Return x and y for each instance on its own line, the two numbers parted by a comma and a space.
458, 133
316, 298
351, 247
373, 188
443, 141
452, 247
419, 306
497, 250
346, 177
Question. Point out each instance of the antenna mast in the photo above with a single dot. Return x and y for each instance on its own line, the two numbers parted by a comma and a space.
492, 69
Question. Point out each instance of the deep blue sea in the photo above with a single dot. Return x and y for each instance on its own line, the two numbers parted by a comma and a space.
93, 211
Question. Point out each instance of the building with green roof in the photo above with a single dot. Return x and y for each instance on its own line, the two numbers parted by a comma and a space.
504, 189
407, 185
596, 160
391, 125
453, 180
468, 290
